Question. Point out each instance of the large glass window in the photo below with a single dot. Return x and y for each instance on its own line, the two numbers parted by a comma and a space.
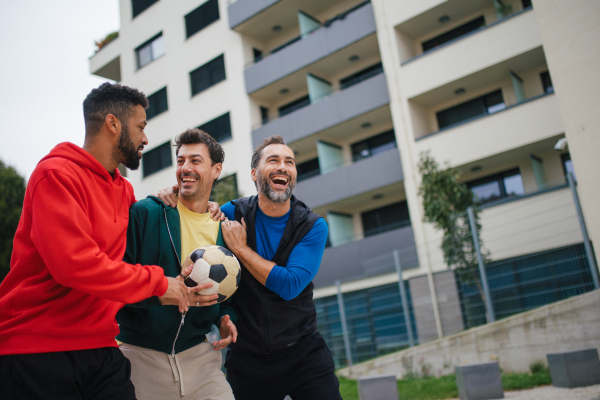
201, 17
208, 75
139, 6
308, 169
294, 105
157, 103
547, 82
219, 128
361, 76
487, 104
454, 33
151, 50
385, 218
373, 145
157, 159
497, 186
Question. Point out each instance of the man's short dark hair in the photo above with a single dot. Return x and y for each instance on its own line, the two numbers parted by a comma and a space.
113, 99
275, 139
194, 136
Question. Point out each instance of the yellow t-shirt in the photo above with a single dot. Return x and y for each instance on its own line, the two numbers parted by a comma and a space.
196, 230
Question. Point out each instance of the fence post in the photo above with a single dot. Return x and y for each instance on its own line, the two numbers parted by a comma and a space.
586, 239
405, 310
486, 289
340, 299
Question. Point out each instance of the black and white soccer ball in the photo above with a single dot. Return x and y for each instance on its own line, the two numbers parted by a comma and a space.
217, 265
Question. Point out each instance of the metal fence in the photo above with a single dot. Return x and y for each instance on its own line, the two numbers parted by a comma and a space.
533, 251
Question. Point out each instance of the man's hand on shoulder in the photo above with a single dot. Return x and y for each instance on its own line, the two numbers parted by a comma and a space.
168, 195
228, 333
234, 235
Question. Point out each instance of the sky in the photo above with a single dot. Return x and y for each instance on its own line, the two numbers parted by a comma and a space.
44, 73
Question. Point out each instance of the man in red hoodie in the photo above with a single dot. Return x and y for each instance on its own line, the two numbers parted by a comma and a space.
67, 281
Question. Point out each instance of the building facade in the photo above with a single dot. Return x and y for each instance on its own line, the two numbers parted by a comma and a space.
359, 90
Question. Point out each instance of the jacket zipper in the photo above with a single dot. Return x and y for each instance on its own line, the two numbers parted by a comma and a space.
179, 261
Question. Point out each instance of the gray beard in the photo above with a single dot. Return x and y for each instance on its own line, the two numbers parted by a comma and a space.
264, 187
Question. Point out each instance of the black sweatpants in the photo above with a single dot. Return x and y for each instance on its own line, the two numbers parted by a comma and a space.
69, 375
305, 371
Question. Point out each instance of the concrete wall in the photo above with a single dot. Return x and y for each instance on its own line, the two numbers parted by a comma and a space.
514, 342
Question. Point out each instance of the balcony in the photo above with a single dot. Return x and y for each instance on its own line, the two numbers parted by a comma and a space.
490, 46
243, 10
335, 109
106, 63
368, 257
516, 126
351, 180
357, 24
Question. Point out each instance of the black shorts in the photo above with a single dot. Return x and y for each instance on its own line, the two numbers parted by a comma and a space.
83, 375
305, 371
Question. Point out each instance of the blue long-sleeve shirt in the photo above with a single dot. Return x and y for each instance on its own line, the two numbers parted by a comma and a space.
289, 280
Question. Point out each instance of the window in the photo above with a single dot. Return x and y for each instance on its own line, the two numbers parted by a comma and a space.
150, 50
453, 34
373, 145
157, 103
208, 75
526, 3
219, 128
308, 169
157, 159
201, 17
547, 82
224, 190
139, 6
361, 76
294, 105
257, 54
494, 187
385, 218
488, 104
568, 165
264, 115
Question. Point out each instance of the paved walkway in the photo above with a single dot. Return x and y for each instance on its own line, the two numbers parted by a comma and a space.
553, 393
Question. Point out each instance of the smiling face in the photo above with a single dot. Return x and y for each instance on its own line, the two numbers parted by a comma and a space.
275, 174
132, 139
196, 172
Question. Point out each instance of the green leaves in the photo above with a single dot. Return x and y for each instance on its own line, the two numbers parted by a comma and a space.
12, 193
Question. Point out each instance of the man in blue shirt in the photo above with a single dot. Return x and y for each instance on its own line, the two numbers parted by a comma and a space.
280, 243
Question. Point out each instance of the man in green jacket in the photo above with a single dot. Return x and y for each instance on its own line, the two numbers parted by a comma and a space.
170, 359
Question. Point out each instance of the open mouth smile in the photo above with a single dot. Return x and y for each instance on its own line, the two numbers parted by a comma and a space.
188, 180
280, 180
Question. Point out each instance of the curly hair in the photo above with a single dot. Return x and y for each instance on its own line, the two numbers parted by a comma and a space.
194, 136
113, 99
274, 139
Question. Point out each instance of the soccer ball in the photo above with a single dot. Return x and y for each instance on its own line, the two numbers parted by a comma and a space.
217, 265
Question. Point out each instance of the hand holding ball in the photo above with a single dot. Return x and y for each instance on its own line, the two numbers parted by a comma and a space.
217, 265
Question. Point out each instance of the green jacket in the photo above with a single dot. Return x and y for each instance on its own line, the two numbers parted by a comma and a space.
154, 238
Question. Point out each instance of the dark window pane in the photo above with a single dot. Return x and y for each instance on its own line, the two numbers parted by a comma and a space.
454, 33
361, 76
257, 54
294, 105
487, 104
157, 159
264, 115
487, 191
526, 3
157, 103
373, 145
385, 218
513, 185
219, 128
150, 50
308, 169
547, 82
139, 6
224, 190
497, 186
208, 75
201, 17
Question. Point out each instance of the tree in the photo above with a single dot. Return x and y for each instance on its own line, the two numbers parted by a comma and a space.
12, 193
224, 190
445, 204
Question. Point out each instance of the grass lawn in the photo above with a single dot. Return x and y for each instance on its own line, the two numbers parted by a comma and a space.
444, 387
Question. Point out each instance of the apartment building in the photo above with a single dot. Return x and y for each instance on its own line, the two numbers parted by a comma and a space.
359, 89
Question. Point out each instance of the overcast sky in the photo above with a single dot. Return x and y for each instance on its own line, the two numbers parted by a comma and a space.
44, 73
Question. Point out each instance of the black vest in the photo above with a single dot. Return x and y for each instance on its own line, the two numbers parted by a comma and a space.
267, 323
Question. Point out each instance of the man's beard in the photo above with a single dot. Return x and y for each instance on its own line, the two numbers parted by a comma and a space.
126, 150
264, 187
191, 196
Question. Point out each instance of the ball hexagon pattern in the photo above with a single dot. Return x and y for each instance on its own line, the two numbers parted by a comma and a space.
217, 265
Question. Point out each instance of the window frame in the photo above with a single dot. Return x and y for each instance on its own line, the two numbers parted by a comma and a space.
199, 10
159, 149
499, 178
146, 44
150, 103
220, 139
208, 67
134, 14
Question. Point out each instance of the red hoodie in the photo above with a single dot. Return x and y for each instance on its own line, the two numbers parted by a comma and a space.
67, 280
